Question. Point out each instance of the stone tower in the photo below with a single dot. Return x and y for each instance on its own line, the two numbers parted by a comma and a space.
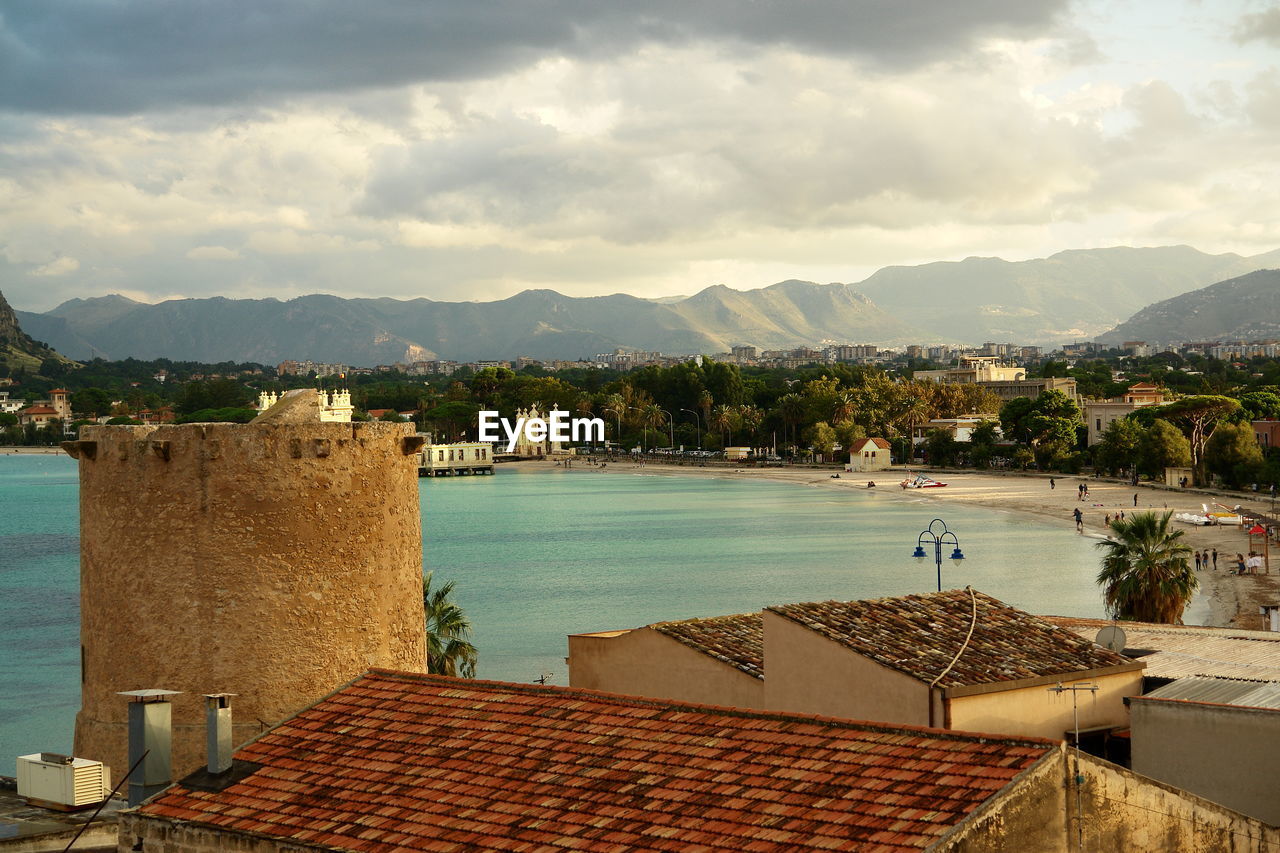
275, 560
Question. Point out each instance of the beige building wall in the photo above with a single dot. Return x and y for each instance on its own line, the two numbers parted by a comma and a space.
1034, 711
275, 561
1123, 812
1227, 754
809, 673
645, 662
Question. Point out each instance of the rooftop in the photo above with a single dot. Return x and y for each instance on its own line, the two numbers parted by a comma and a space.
920, 634
397, 761
1185, 650
1220, 691
735, 640
35, 828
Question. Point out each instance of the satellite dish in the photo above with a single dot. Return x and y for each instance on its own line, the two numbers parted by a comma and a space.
1112, 637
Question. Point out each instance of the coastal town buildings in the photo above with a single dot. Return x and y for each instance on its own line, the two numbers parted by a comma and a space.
961, 428
334, 405
910, 660
399, 761
464, 457
1099, 414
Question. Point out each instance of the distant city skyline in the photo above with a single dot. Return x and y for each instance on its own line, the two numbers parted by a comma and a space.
471, 151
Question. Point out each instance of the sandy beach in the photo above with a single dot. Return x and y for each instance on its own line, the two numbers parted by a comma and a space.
1223, 600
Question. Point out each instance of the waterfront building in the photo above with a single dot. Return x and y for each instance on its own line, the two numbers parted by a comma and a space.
530, 449
1267, 433
398, 761
464, 457
869, 454
961, 428
894, 660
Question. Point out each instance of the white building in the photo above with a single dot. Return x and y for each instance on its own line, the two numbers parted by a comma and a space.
869, 454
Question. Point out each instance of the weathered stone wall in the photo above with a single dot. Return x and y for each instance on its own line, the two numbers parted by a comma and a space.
272, 560
151, 835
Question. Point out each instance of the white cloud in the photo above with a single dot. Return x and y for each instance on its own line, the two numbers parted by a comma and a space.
212, 253
58, 266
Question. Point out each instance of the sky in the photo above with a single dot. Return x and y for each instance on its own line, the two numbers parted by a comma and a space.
471, 150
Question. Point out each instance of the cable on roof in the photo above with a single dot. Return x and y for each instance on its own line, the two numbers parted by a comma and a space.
973, 622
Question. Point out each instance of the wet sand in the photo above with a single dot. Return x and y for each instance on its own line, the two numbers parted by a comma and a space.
1223, 599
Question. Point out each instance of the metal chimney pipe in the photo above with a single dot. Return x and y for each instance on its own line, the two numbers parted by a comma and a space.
151, 740
217, 718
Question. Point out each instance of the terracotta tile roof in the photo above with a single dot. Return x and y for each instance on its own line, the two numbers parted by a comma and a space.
878, 442
397, 761
1187, 650
735, 640
920, 634
38, 410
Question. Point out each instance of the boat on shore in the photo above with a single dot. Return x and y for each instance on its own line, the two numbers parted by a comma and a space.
920, 481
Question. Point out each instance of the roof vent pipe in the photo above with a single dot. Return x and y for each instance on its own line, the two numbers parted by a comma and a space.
217, 718
150, 742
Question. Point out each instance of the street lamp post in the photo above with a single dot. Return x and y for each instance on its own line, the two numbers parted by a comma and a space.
938, 538
697, 420
671, 422
618, 434
644, 430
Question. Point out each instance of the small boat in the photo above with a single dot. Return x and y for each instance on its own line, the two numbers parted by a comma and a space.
920, 481
1193, 518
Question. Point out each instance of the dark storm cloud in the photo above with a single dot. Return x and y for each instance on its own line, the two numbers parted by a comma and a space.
75, 56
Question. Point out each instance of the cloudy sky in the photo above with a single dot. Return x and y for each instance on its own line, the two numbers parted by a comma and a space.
470, 150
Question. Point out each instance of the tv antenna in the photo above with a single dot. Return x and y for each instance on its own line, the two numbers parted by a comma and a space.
544, 678
1075, 690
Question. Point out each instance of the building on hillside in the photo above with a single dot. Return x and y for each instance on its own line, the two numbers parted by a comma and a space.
895, 660
1216, 737
396, 761
961, 428
1099, 414
9, 405
1008, 390
40, 415
335, 406
464, 457
869, 454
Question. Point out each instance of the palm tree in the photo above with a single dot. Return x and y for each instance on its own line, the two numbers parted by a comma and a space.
449, 651
1145, 574
722, 420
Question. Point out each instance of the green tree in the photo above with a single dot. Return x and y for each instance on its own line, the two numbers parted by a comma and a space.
1118, 450
1163, 446
1234, 455
91, 401
942, 447
1145, 574
982, 443
449, 649
822, 438
1199, 416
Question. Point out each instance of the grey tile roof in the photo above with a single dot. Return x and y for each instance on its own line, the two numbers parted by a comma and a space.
736, 640
920, 635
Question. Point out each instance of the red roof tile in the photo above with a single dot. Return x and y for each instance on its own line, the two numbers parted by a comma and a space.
735, 640
398, 761
920, 635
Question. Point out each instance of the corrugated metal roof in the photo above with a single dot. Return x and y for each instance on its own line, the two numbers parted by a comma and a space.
1187, 650
1221, 691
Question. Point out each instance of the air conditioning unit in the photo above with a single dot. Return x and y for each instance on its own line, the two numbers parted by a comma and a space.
62, 782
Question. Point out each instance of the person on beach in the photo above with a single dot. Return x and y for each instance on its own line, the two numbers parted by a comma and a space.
1107, 520
1052, 484
1197, 561
1079, 519
1135, 498
1239, 568
1215, 559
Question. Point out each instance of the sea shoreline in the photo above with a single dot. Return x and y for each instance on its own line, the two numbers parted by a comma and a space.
1223, 600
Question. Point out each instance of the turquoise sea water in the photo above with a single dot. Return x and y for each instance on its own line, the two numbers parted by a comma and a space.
540, 554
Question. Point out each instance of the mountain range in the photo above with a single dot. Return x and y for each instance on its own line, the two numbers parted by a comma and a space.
1072, 295
18, 350
1244, 308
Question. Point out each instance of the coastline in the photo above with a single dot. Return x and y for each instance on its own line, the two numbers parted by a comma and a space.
1223, 600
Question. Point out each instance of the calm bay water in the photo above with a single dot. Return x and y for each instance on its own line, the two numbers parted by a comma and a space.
540, 554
